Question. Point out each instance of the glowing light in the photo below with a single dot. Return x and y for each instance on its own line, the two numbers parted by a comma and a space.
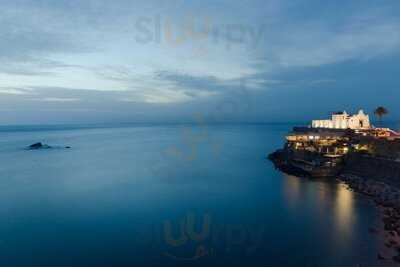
344, 209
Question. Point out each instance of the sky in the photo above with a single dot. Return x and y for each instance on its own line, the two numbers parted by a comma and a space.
100, 61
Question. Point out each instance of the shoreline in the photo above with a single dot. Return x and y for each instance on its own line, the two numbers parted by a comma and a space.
387, 200
385, 197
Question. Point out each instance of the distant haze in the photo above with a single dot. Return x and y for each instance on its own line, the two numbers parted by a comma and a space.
71, 61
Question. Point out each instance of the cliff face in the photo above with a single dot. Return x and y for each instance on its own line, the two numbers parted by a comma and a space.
383, 170
305, 163
356, 164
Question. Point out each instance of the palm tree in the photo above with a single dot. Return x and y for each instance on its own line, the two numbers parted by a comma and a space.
380, 112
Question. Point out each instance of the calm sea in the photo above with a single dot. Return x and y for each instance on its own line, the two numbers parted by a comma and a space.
171, 195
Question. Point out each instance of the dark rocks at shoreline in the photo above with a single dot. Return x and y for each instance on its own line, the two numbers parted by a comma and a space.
388, 198
276, 156
381, 257
397, 258
383, 194
280, 160
377, 178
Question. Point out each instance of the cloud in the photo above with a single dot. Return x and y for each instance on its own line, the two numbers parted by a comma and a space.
322, 81
15, 91
319, 42
59, 99
76, 55
31, 36
214, 85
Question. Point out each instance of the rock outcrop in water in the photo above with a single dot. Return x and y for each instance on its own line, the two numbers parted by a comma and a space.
38, 146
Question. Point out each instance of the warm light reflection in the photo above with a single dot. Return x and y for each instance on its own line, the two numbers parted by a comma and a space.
341, 199
292, 189
322, 194
344, 206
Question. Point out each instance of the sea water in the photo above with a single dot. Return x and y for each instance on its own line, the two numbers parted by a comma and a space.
171, 195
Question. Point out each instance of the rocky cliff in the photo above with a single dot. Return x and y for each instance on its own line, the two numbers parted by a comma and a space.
375, 168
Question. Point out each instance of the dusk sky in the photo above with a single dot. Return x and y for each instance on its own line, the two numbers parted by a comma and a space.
71, 61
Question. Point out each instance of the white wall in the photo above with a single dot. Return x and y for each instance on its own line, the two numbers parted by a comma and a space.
344, 121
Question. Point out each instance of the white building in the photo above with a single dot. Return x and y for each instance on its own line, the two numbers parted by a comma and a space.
342, 120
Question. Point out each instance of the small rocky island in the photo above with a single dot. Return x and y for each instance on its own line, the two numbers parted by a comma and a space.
348, 148
40, 145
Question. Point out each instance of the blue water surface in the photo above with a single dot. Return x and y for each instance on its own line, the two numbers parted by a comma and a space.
171, 195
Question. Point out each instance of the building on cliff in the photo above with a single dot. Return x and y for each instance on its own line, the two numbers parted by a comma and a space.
343, 120
328, 147
324, 141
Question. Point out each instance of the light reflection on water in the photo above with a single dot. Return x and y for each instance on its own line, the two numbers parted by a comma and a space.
292, 189
327, 196
344, 209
